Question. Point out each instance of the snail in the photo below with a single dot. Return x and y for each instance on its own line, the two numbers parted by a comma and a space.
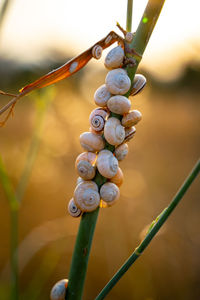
129, 133
107, 164
109, 193
86, 196
59, 290
97, 119
91, 141
121, 151
118, 178
85, 165
118, 82
119, 104
73, 210
138, 84
102, 95
97, 51
131, 118
114, 132
114, 58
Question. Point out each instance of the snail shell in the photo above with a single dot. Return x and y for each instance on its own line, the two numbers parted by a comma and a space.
107, 164
73, 210
114, 132
121, 151
119, 104
118, 178
91, 141
59, 289
79, 180
138, 84
86, 196
97, 51
129, 133
114, 58
97, 119
85, 170
109, 193
132, 118
129, 37
118, 82
88, 156
101, 96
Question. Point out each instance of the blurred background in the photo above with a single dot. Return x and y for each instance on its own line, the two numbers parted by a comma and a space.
40, 143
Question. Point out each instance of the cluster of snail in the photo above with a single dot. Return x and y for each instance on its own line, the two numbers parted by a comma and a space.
111, 123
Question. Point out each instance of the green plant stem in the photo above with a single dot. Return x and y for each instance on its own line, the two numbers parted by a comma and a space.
129, 15
160, 220
87, 225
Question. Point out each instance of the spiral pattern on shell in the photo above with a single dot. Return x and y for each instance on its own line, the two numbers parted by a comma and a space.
73, 210
109, 193
97, 51
86, 196
118, 82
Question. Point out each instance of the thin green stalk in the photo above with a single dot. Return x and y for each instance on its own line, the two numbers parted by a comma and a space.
154, 228
129, 17
87, 225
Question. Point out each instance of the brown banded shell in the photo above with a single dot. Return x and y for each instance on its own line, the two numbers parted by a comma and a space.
114, 132
102, 95
131, 118
109, 193
107, 164
114, 58
59, 290
86, 196
91, 142
129, 133
97, 119
121, 151
97, 51
118, 82
138, 84
119, 104
118, 178
73, 210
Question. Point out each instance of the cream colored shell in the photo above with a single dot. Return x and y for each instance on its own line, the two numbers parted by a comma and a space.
73, 210
118, 82
114, 132
129, 133
86, 196
119, 104
85, 170
97, 119
59, 290
107, 164
91, 142
131, 118
109, 193
97, 51
121, 151
138, 84
88, 156
114, 58
102, 95
118, 178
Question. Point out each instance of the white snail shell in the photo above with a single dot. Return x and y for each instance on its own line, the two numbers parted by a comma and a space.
91, 141
59, 289
88, 156
114, 58
114, 132
138, 84
97, 119
129, 133
121, 151
79, 180
107, 164
73, 210
97, 51
118, 178
85, 170
86, 196
119, 104
131, 118
118, 82
129, 37
109, 193
101, 96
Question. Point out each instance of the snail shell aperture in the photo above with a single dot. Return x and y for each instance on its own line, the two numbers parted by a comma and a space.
59, 290
118, 82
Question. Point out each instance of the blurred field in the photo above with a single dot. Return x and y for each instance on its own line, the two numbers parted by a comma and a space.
162, 153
